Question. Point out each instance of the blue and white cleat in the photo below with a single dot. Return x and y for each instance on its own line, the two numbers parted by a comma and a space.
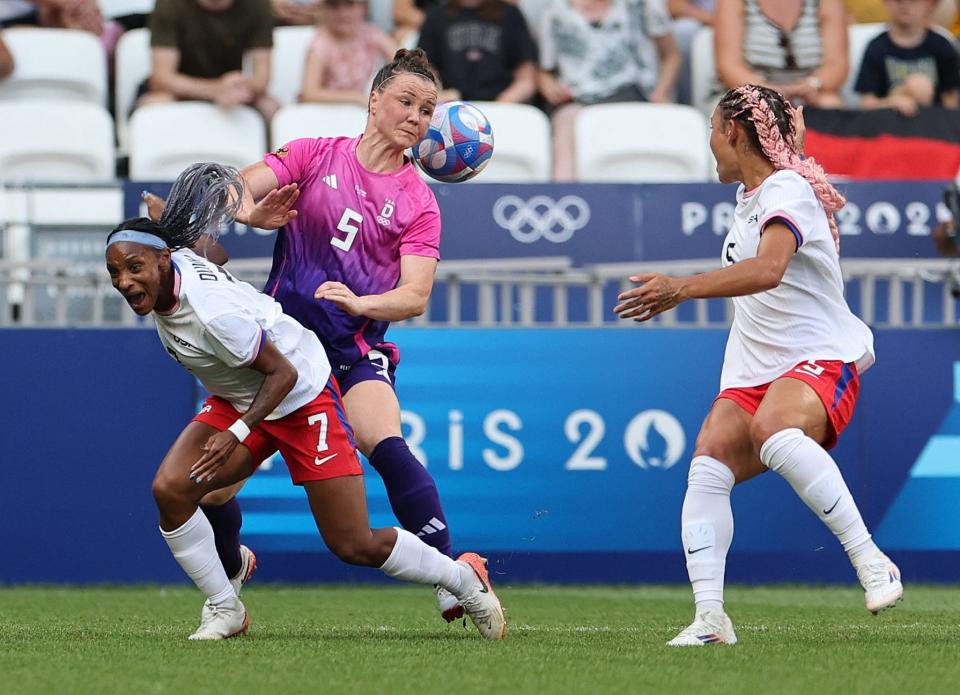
880, 579
709, 627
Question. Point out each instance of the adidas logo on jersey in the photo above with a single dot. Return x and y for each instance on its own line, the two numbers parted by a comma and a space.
432, 526
331, 180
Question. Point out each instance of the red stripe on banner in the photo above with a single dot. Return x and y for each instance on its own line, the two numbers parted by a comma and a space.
884, 156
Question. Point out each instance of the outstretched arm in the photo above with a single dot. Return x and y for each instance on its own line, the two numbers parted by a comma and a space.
659, 293
408, 299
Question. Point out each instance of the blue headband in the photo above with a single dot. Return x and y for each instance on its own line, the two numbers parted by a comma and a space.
144, 238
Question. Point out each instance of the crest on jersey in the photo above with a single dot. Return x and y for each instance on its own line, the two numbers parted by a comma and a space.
282, 152
386, 213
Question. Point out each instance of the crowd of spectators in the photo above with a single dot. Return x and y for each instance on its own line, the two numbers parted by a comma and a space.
556, 54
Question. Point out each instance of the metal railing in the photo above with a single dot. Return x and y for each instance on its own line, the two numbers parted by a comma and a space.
503, 292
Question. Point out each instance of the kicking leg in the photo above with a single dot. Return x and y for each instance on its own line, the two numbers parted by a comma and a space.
787, 430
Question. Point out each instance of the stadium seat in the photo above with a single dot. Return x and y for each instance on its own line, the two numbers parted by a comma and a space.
290, 46
521, 143
532, 11
132, 67
859, 35
166, 138
316, 121
381, 14
703, 71
124, 8
662, 143
55, 64
60, 141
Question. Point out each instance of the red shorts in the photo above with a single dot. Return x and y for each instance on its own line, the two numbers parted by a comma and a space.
837, 384
315, 440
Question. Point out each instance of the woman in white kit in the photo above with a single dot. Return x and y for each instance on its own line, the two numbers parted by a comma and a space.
271, 390
794, 354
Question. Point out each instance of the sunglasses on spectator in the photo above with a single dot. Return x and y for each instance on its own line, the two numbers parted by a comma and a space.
787, 46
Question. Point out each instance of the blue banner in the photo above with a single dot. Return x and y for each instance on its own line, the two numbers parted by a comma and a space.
604, 223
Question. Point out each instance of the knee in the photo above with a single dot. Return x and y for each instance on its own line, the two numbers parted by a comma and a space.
168, 492
762, 429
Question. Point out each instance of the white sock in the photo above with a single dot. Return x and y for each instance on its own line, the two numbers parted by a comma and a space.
814, 476
414, 561
707, 529
194, 548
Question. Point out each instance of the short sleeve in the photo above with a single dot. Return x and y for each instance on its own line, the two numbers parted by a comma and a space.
163, 25
236, 339
431, 37
658, 19
291, 161
791, 201
519, 48
422, 236
262, 20
948, 66
872, 78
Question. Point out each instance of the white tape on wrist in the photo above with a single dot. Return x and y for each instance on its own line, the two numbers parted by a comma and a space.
240, 430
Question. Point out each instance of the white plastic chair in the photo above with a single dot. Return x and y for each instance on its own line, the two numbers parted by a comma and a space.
290, 45
859, 35
642, 142
55, 64
381, 14
703, 70
521, 143
122, 8
316, 121
60, 141
166, 138
132, 66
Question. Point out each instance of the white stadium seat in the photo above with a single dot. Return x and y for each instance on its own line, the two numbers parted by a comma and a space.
55, 64
663, 143
316, 121
381, 14
166, 138
133, 65
123, 8
859, 35
703, 71
290, 46
61, 141
521, 143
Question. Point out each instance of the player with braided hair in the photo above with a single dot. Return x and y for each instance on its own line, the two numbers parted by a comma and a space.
791, 370
272, 389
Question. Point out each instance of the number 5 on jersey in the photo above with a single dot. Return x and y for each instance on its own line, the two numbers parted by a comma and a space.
349, 223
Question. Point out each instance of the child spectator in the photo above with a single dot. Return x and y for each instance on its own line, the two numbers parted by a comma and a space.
345, 54
198, 47
482, 49
909, 65
597, 51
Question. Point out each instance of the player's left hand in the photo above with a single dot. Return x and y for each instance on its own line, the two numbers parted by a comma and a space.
342, 296
656, 294
215, 454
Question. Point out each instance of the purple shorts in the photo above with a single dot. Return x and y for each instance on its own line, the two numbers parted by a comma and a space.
380, 364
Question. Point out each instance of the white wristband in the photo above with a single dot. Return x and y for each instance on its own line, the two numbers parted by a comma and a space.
240, 430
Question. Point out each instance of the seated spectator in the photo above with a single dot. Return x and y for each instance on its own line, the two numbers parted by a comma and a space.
408, 17
689, 16
198, 48
909, 65
344, 55
601, 51
798, 47
6, 60
482, 49
295, 12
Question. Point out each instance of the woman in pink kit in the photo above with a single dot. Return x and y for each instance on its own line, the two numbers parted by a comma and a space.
357, 248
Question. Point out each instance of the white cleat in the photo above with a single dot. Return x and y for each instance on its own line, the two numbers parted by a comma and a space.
448, 605
248, 564
229, 619
480, 603
880, 579
709, 627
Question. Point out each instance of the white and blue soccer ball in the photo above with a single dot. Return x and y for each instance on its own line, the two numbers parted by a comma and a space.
458, 143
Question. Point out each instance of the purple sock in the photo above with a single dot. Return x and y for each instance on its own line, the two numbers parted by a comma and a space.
226, 521
412, 492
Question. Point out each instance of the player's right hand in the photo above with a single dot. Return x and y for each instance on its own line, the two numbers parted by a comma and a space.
276, 208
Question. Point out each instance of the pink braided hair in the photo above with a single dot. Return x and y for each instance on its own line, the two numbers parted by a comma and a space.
777, 140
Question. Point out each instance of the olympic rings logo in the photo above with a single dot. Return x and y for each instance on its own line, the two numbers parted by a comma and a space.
541, 217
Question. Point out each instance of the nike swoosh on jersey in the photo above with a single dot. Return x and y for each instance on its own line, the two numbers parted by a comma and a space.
320, 461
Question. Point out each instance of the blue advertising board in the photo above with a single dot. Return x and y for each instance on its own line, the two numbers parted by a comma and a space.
604, 223
561, 453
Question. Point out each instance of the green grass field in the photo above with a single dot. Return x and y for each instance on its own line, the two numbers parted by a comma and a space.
388, 639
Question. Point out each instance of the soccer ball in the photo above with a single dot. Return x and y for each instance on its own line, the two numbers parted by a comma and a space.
458, 143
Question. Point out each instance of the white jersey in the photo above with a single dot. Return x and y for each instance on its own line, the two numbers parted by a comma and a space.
806, 317
218, 326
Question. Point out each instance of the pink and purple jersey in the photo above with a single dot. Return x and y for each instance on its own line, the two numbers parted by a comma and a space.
352, 226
